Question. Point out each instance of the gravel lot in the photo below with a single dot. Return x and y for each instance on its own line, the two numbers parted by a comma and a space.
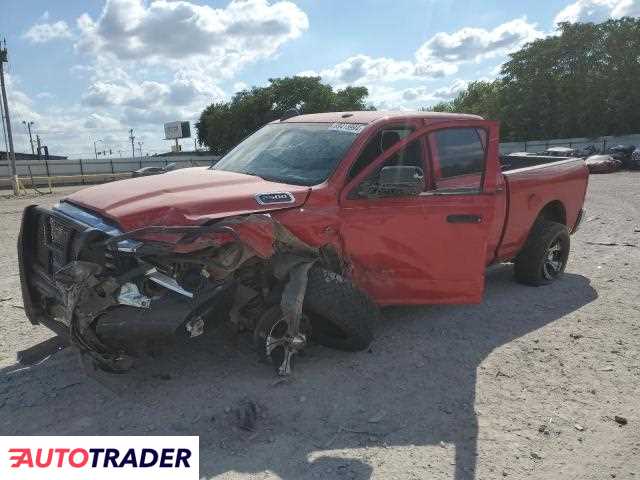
526, 385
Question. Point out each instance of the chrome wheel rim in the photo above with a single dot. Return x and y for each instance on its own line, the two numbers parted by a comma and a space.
553, 260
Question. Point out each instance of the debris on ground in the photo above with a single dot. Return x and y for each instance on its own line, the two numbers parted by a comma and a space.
620, 420
612, 244
246, 415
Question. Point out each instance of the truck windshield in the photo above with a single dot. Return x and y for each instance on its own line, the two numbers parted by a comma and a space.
294, 153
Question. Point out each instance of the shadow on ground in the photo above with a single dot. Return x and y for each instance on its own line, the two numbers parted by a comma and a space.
416, 386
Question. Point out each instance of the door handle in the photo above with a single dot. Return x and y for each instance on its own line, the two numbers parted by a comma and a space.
464, 218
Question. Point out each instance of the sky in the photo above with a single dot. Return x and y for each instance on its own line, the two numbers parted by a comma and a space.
87, 71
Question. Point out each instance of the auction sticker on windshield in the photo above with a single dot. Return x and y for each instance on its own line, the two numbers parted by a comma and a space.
98, 458
354, 128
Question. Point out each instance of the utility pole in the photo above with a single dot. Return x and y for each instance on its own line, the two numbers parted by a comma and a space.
12, 153
140, 148
132, 138
38, 143
95, 148
28, 126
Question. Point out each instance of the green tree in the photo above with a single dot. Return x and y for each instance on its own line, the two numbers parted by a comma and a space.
583, 82
223, 125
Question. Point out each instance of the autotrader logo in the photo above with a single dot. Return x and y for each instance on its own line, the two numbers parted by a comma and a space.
70, 458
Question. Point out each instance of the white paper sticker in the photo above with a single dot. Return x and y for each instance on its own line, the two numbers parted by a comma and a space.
354, 128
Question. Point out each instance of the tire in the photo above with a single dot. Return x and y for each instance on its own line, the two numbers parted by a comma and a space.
342, 317
545, 253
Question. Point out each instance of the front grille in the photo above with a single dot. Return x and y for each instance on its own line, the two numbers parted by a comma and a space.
54, 242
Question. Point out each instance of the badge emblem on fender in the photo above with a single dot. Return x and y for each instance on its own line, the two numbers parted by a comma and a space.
274, 197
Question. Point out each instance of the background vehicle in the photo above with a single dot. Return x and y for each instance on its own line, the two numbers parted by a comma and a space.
300, 231
602, 164
145, 171
623, 154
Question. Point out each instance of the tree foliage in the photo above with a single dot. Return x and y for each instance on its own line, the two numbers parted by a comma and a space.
223, 125
583, 82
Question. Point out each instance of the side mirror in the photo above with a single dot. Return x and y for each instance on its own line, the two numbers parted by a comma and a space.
400, 181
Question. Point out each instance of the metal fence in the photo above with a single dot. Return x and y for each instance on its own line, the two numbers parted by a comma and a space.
91, 170
601, 143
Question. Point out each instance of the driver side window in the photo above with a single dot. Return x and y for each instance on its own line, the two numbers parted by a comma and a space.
410, 156
380, 142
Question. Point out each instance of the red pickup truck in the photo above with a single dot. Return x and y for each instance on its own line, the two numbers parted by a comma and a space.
299, 233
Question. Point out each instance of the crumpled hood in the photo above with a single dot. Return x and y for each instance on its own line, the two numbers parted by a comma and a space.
188, 196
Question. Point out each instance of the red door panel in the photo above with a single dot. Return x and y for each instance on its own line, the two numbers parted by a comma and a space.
424, 249
410, 252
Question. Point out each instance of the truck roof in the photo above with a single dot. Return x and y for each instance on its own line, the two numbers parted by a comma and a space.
368, 116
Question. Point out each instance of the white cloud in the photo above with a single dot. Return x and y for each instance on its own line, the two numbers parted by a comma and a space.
71, 130
45, 32
240, 86
362, 69
102, 122
176, 34
151, 102
598, 10
427, 94
436, 58
474, 44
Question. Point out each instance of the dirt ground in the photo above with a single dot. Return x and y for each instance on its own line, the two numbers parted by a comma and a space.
525, 385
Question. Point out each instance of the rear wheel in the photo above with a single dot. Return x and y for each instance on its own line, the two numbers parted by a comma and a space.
545, 254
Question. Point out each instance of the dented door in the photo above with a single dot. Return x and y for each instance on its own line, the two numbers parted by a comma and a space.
429, 248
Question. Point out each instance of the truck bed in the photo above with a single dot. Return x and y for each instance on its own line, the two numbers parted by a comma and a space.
529, 189
514, 162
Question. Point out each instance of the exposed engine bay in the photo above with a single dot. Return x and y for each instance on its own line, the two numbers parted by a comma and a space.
113, 293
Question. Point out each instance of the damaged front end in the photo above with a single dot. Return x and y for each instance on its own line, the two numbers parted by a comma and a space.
113, 294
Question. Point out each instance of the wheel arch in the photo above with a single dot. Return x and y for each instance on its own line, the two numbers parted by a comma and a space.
553, 211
